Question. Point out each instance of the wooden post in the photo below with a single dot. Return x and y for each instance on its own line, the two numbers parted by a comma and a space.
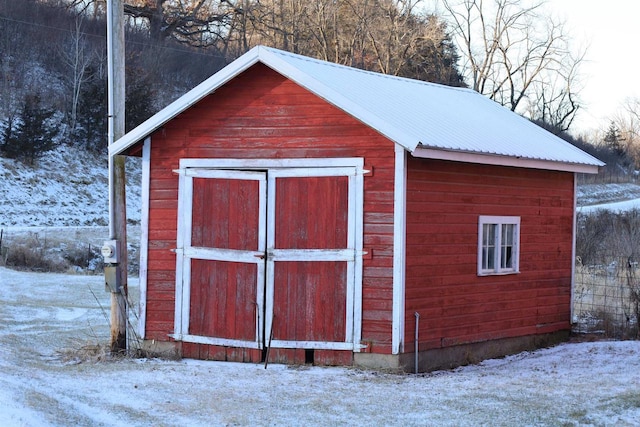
117, 192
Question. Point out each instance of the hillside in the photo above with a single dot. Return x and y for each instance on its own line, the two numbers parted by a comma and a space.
68, 187
598, 194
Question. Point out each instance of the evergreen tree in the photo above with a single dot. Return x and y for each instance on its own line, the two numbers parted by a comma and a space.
32, 134
139, 97
91, 129
614, 140
7, 133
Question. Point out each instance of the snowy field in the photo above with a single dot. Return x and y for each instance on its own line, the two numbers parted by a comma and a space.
48, 322
613, 197
75, 195
623, 206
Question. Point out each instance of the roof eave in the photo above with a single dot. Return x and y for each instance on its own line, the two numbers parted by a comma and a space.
501, 160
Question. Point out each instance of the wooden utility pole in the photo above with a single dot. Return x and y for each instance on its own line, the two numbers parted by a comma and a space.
116, 270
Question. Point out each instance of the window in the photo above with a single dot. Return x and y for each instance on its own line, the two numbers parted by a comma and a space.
498, 245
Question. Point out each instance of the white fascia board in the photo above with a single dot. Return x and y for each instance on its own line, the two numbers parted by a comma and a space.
144, 237
280, 65
489, 159
574, 233
181, 104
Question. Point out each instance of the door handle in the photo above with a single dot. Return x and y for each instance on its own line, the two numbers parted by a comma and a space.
268, 255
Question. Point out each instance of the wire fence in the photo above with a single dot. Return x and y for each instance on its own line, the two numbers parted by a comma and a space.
606, 298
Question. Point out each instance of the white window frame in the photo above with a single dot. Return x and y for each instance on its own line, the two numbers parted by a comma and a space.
499, 221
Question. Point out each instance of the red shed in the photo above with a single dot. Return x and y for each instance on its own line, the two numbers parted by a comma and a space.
326, 212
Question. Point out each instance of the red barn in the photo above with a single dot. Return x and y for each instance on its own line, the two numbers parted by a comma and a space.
326, 212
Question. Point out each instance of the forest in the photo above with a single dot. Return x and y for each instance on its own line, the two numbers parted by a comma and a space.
54, 59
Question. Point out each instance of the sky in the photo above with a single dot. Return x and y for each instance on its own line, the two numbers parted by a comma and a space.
609, 31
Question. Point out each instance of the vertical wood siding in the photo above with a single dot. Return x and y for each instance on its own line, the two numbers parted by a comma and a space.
261, 114
456, 306
309, 297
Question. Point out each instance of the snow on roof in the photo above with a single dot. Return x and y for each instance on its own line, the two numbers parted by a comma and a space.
412, 113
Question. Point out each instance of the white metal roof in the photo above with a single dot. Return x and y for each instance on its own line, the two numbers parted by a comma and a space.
422, 117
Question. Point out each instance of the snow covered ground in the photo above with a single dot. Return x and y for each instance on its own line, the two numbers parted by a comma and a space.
69, 187
614, 197
53, 328
625, 205
48, 321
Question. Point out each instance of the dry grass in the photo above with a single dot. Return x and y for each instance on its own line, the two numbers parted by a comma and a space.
87, 353
61, 249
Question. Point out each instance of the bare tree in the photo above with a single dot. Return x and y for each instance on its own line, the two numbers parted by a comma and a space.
93, 8
193, 22
405, 42
388, 36
555, 98
629, 118
77, 55
518, 56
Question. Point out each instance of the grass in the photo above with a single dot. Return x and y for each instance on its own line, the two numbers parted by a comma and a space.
60, 249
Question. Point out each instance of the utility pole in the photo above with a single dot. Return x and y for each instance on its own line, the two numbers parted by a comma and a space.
115, 250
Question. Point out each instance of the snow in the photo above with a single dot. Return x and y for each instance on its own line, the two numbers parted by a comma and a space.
69, 187
614, 197
623, 206
48, 321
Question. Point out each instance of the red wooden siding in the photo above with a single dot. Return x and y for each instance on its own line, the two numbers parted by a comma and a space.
444, 201
298, 203
309, 297
309, 301
225, 216
261, 114
223, 300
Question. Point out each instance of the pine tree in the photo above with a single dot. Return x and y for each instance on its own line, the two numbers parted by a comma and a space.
614, 140
33, 133
91, 129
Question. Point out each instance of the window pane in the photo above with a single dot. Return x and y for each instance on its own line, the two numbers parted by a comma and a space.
488, 246
506, 246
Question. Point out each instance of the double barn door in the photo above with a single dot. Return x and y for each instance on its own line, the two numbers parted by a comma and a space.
269, 252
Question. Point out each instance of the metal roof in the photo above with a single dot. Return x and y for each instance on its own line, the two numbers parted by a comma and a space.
412, 113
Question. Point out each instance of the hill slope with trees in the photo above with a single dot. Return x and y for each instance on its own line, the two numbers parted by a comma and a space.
53, 74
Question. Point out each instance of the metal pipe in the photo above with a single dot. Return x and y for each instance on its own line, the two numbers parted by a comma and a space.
416, 342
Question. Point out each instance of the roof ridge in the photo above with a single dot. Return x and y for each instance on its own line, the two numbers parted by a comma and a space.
369, 72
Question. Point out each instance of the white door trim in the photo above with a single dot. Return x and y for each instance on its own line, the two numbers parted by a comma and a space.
352, 255
277, 168
185, 252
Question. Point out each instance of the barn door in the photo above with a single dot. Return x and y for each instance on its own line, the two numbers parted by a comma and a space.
270, 253
222, 261
310, 258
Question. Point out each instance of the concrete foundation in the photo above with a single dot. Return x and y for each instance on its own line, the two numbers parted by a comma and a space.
452, 357
162, 349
